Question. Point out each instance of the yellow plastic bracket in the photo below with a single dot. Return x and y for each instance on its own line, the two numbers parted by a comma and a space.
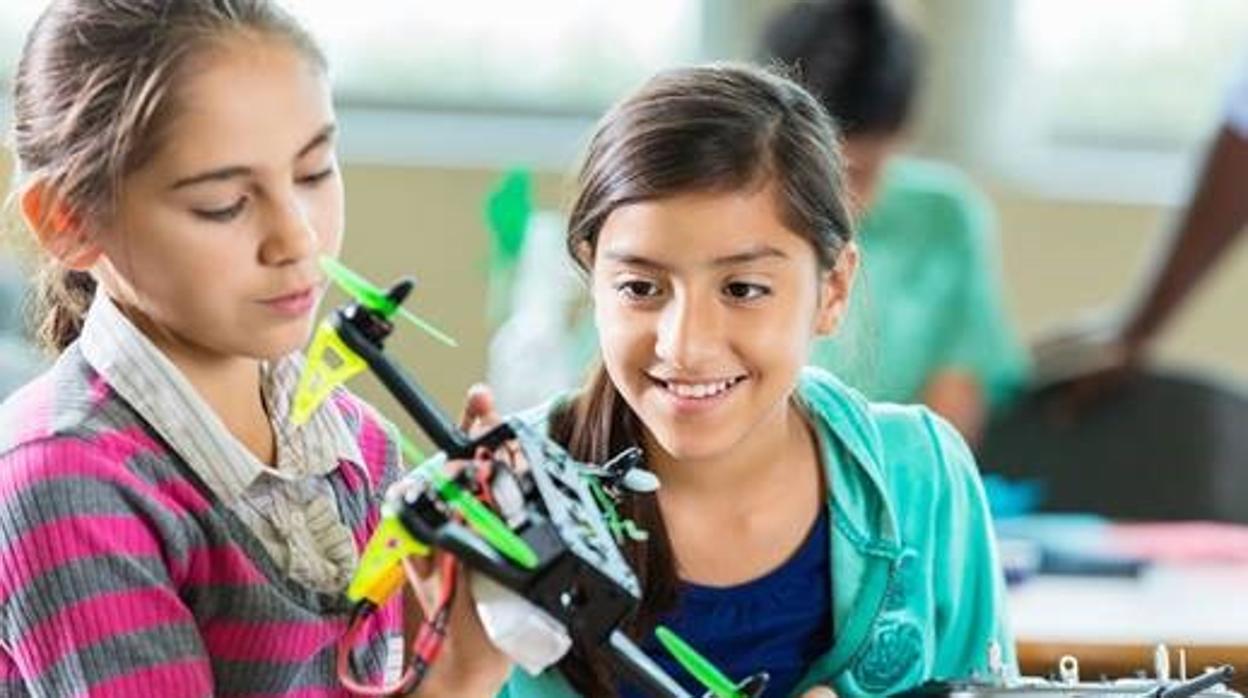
330, 364
381, 568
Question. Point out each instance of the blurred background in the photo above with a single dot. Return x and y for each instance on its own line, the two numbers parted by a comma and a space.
1083, 121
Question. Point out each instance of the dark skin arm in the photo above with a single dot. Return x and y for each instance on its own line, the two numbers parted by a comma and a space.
1097, 354
1216, 215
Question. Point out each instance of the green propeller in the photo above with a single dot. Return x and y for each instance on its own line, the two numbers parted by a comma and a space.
486, 523
374, 298
700, 667
479, 517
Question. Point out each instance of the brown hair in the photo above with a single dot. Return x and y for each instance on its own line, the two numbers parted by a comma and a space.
94, 87
717, 128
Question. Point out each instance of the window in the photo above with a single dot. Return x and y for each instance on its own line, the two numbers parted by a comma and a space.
537, 56
1112, 97
1129, 73
479, 82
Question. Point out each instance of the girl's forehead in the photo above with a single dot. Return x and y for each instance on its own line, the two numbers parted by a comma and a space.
702, 228
245, 100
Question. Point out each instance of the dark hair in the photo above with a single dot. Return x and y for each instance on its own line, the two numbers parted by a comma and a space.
95, 85
856, 56
718, 128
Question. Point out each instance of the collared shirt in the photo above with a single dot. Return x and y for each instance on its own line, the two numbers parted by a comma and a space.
290, 507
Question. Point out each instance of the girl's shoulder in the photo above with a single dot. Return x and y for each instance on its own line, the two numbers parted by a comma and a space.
905, 447
72, 451
69, 402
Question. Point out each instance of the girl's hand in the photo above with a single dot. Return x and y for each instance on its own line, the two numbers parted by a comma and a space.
819, 692
469, 665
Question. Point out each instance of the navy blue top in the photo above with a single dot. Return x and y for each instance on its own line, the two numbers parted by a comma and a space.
780, 622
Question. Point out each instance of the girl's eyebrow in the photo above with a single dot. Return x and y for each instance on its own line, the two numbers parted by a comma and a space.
633, 260
216, 175
753, 254
321, 138
737, 258
231, 171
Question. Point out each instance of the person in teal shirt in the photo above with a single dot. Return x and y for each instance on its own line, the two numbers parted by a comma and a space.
838, 544
928, 322
915, 591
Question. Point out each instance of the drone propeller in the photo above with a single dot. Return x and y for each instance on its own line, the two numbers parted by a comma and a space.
374, 298
716, 682
330, 361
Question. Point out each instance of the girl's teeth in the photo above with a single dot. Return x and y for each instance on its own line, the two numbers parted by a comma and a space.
699, 391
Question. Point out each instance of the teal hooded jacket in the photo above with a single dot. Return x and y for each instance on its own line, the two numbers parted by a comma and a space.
917, 592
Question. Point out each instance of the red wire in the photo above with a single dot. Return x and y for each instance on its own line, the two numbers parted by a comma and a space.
431, 636
426, 646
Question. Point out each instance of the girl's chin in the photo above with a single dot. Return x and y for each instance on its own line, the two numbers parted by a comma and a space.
681, 445
281, 345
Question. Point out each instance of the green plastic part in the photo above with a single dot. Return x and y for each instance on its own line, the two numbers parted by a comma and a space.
485, 522
372, 297
698, 666
478, 516
428, 328
356, 286
508, 211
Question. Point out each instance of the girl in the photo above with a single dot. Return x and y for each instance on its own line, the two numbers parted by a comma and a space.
164, 529
799, 529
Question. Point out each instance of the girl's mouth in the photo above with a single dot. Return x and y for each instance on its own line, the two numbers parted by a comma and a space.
698, 394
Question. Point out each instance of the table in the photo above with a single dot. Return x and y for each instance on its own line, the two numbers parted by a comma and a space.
1113, 624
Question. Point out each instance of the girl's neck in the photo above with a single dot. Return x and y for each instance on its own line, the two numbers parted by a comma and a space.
734, 518
231, 388
228, 384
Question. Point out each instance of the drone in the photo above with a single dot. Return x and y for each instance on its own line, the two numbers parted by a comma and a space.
534, 525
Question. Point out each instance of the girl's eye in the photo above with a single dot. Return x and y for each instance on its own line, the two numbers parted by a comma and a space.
638, 290
741, 291
317, 177
222, 215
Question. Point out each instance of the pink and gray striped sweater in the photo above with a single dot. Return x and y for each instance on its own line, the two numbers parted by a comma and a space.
122, 575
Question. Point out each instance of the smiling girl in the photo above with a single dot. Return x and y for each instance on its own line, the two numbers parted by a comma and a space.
800, 529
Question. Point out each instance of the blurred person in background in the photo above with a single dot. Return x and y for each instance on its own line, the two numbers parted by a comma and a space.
929, 323
1096, 352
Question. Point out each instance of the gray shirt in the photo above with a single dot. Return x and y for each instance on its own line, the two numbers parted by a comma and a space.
290, 507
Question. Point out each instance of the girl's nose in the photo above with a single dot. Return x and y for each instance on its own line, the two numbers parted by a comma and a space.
289, 236
689, 332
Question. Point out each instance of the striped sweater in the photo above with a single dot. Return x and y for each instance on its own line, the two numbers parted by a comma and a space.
121, 574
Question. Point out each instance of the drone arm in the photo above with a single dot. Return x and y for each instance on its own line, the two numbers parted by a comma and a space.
415, 401
641, 669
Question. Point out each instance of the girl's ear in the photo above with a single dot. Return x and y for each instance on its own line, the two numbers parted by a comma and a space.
834, 290
57, 229
585, 253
